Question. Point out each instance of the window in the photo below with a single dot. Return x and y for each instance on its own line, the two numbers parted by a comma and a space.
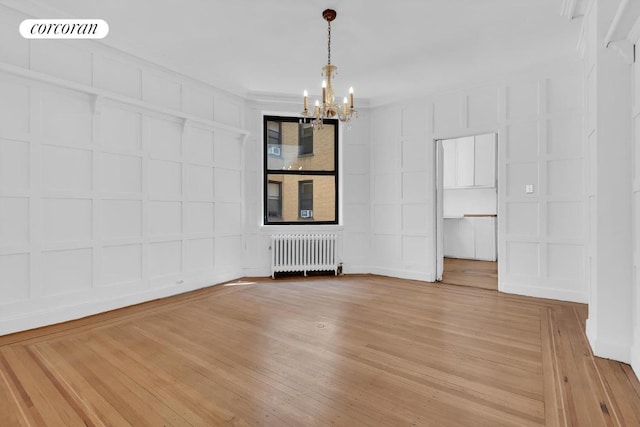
274, 200
274, 141
301, 179
305, 140
305, 199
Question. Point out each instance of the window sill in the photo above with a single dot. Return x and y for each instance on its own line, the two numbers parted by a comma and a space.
303, 227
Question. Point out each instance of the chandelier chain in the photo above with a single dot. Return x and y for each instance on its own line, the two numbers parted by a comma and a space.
329, 43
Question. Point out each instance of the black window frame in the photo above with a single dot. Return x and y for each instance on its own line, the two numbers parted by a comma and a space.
308, 173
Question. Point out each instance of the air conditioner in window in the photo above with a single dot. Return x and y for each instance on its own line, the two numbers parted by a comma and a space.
306, 213
274, 151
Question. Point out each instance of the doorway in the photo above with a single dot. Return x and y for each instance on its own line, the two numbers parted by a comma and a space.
467, 211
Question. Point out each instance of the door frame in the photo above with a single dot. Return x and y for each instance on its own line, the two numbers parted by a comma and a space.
439, 195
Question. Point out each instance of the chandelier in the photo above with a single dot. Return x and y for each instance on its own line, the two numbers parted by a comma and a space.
329, 108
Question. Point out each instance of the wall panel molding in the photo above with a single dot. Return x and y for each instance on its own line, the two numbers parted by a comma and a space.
100, 205
35, 76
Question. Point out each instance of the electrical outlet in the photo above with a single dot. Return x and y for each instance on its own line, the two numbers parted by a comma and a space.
528, 188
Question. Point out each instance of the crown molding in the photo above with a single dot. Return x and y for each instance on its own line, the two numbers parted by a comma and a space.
624, 30
625, 49
572, 9
581, 46
98, 96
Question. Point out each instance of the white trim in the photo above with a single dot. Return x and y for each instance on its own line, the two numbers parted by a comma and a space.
625, 48
403, 274
581, 45
611, 350
634, 32
617, 24
568, 9
548, 293
590, 330
103, 94
635, 359
572, 9
356, 269
624, 28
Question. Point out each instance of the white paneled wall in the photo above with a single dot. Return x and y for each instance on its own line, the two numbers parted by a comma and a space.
120, 181
541, 145
402, 197
542, 236
356, 195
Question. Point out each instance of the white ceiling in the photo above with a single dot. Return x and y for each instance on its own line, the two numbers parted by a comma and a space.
382, 48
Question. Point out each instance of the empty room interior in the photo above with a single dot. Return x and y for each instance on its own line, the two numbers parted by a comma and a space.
319, 213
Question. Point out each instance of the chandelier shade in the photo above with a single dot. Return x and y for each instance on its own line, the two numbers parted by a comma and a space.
329, 108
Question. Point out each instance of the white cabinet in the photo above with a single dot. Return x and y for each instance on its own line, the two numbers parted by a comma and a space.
465, 238
449, 165
485, 160
450, 237
469, 161
485, 238
470, 238
465, 162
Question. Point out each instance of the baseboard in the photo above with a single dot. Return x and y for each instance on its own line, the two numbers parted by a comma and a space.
257, 272
403, 274
60, 314
611, 350
357, 269
635, 359
549, 293
591, 331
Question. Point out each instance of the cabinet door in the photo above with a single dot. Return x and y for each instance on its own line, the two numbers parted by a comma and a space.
450, 237
485, 160
449, 163
465, 164
485, 239
466, 235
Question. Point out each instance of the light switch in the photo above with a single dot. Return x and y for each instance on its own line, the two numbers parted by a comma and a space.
528, 188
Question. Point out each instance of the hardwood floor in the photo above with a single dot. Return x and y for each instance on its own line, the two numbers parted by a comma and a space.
352, 351
467, 272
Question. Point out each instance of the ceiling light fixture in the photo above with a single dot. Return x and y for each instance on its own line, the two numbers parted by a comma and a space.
329, 108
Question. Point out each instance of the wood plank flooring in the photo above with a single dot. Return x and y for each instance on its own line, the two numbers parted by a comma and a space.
350, 351
467, 272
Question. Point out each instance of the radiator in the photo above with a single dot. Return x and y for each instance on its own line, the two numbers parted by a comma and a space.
303, 252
